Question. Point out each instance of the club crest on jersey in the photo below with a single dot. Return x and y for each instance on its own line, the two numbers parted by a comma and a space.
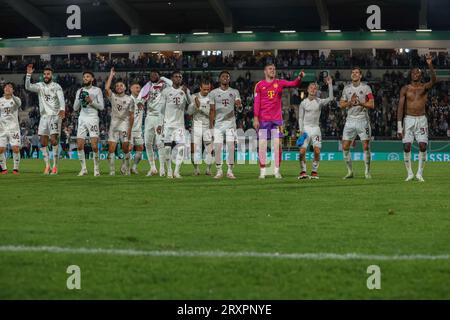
231, 95
270, 94
361, 92
275, 85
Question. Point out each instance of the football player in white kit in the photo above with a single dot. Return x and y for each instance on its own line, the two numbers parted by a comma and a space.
223, 102
52, 108
173, 104
137, 139
357, 97
89, 100
122, 118
308, 122
201, 128
9, 127
151, 95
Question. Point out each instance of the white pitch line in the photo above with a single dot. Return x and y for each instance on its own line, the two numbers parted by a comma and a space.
224, 254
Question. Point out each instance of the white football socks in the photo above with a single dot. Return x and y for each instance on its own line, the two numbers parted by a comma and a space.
407, 160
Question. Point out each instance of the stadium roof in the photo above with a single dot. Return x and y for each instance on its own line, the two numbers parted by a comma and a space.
22, 18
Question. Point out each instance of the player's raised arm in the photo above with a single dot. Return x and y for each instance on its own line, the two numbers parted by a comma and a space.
33, 87
324, 102
168, 82
433, 80
293, 83
400, 111
108, 90
256, 106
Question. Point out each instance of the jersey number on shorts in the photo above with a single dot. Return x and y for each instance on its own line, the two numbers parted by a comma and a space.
94, 128
54, 126
423, 131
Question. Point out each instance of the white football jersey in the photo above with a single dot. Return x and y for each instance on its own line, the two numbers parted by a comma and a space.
9, 113
89, 111
309, 110
151, 94
51, 96
200, 116
364, 93
224, 102
173, 104
121, 107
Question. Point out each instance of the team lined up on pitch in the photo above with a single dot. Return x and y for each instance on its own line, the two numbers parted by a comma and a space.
165, 102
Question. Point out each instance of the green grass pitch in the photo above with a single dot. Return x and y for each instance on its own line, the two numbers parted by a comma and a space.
246, 215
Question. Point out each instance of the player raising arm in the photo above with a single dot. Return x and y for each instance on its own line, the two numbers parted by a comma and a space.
268, 115
52, 110
412, 104
308, 123
122, 118
89, 100
9, 127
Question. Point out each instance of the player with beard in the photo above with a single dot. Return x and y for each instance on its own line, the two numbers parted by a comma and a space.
122, 119
52, 110
90, 100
